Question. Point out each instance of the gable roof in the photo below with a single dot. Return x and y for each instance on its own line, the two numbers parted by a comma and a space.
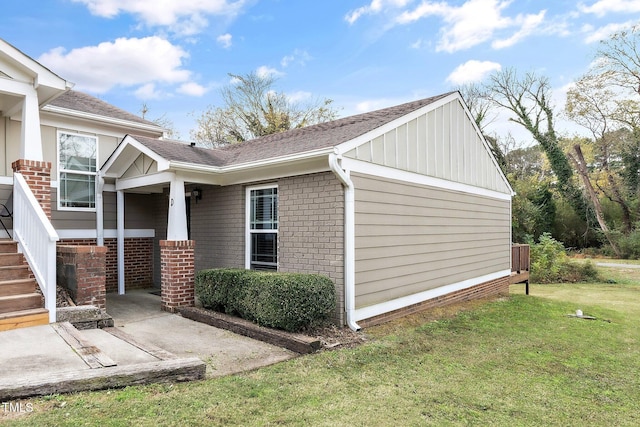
84, 103
295, 141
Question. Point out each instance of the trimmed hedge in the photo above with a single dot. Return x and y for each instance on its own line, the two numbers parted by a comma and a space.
288, 301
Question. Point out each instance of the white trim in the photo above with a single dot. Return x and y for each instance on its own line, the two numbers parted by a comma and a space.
127, 141
120, 239
67, 112
398, 303
349, 240
247, 223
416, 178
347, 146
112, 233
6, 180
144, 180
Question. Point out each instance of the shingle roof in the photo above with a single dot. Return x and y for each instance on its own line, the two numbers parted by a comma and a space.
79, 101
183, 152
295, 141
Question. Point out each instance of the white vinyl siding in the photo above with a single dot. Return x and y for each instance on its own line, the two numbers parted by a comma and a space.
442, 143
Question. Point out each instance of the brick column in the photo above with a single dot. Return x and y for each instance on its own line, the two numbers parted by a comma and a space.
177, 258
38, 177
82, 270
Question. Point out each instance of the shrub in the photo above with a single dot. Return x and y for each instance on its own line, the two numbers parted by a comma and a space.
288, 301
550, 263
221, 289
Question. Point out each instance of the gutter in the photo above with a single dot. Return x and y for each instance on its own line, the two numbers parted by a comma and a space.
349, 239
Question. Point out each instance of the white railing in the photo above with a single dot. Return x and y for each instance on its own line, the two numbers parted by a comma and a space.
36, 239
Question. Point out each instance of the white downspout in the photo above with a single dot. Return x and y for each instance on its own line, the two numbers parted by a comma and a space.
99, 211
349, 240
120, 240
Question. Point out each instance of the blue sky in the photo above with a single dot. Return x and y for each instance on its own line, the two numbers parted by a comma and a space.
175, 55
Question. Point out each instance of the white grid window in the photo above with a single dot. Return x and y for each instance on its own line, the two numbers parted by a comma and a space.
262, 228
77, 161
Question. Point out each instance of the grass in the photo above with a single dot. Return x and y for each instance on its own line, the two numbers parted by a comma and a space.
515, 361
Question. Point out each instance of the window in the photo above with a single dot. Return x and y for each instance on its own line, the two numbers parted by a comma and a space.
77, 171
262, 228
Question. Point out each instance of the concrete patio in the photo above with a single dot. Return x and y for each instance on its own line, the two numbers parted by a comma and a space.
146, 345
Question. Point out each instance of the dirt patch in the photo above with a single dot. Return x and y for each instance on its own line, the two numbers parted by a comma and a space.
333, 337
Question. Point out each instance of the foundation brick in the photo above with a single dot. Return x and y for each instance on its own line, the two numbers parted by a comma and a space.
483, 290
82, 270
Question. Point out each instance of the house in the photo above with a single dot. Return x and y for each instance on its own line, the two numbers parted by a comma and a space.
403, 208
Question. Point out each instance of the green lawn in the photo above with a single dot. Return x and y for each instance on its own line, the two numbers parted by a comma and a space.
515, 361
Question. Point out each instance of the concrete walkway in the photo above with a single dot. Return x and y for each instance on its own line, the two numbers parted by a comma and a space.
138, 314
155, 346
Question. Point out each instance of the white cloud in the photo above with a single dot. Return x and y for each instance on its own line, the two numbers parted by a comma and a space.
472, 71
147, 91
225, 40
124, 62
186, 17
602, 7
528, 25
473, 22
298, 56
299, 96
264, 71
192, 89
595, 35
375, 7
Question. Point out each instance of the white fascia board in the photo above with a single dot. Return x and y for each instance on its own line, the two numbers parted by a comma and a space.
6, 180
130, 141
15, 87
307, 155
144, 180
486, 144
374, 169
103, 119
280, 160
347, 146
398, 303
43, 75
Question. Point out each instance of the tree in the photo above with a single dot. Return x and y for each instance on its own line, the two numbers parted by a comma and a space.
252, 108
528, 98
606, 101
163, 121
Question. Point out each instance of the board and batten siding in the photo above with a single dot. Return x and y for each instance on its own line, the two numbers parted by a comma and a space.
442, 143
411, 238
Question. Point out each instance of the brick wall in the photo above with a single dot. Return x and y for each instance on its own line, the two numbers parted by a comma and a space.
138, 264
311, 229
37, 174
483, 290
82, 270
218, 221
178, 274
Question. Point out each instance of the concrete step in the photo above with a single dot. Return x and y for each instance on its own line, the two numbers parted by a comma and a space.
11, 259
12, 272
17, 287
20, 302
23, 319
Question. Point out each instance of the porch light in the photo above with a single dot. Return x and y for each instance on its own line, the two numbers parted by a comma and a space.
196, 193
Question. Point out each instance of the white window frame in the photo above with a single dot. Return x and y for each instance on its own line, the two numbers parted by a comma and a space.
249, 232
61, 170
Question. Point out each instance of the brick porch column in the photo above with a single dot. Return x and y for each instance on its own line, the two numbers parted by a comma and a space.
177, 258
38, 177
82, 269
